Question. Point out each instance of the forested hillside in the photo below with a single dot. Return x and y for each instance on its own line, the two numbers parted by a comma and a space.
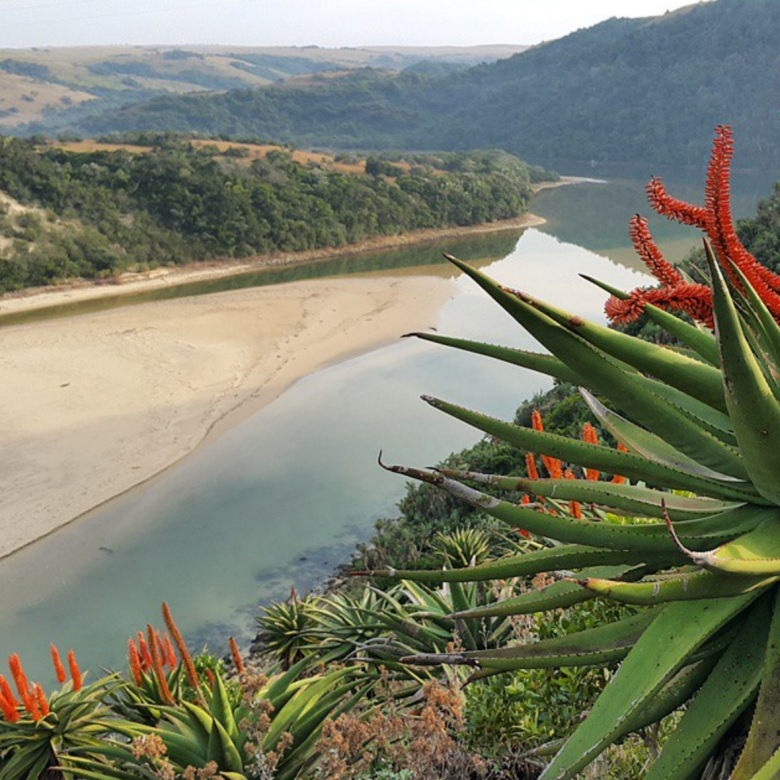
625, 90
66, 213
48, 88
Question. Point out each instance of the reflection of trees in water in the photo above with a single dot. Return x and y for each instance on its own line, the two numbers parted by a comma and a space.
481, 248
595, 216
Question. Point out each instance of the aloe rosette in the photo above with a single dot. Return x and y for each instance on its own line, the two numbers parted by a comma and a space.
693, 531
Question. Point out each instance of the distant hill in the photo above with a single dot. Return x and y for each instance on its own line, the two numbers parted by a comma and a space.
630, 90
55, 87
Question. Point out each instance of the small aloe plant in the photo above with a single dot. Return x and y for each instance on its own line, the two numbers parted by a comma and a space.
693, 528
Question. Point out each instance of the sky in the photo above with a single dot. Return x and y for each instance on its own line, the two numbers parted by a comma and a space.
332, 23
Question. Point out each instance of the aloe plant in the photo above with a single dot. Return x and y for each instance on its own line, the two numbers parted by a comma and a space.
694, 529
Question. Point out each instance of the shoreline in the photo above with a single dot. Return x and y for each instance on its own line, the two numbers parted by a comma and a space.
34, 298
100, 404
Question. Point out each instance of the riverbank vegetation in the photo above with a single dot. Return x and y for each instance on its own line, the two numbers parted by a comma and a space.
166, 199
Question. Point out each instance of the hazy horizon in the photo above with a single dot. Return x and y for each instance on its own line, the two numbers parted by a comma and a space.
340, 23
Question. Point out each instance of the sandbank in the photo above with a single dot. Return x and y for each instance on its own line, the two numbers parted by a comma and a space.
96, 404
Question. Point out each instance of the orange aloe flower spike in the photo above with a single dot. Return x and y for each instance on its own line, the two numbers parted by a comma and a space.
75, 672
530, 466
31, 704
10, 713
146, 659
135, 662
574, 507
159, 672
59, 669
236, 655
170, 652
210, 677
590, 435
20, 678
553, 465
650, 254
184, 653
617, 479
40, 699
7, 693
161, 648
672, 208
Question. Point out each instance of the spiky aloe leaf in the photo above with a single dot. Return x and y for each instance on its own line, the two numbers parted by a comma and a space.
633, 499
564, 557
645, 443
722, 698
609, 376
544, 364
595, 456
676, 632
764, 737
754, 554
770, 770
768, 331
591, 647
684, 586
694, 378
752, 406
645, 538
558, 595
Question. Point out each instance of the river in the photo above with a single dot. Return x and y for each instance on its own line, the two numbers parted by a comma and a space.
282, 498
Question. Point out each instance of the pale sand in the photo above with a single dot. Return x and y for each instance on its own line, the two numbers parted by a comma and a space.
94, 405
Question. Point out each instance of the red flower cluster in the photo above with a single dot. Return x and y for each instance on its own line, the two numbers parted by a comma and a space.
715, 219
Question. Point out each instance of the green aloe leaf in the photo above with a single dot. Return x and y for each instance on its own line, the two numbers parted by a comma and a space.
756, 553
770, 770
722, 698
536, 361
564, 557
558, 595
627, 464
694, 378
626, 389
753, 407
221, 709
645, 538
678, 630
644, 443
591, 647
634, 499
764, 737
684, 586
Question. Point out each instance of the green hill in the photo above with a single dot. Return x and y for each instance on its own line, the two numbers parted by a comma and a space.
97, 210
45, 89
625, 90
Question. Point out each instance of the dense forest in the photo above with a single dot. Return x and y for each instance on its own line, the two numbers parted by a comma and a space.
93, 214
624, 90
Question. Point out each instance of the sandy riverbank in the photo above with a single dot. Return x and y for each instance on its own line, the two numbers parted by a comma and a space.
96, 404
